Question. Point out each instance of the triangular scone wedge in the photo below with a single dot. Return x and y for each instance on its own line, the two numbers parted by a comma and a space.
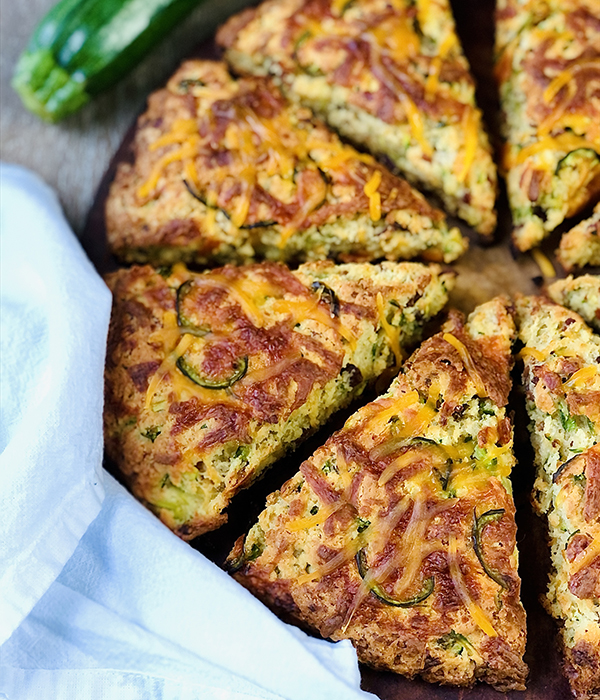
211, 377
399, 532
226, 170
390, 76
581, 294
562, 381
581, 245
548, 64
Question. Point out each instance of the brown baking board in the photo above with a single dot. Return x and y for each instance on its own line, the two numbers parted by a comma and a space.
483, 273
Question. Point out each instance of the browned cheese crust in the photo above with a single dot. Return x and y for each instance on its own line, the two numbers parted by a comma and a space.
399, 532
581, 294
549, 74
211, 377
390, 76
562, 381
227, 171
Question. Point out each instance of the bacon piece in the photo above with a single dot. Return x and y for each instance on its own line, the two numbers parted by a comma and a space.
504, 431
141, 372
324, 491
586, 582
577, 544
591, 508
587, 404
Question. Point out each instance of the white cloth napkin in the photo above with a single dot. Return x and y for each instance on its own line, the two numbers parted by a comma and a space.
54, 317
97, 598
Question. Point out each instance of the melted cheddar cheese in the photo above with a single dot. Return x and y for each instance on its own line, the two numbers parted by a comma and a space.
395, 508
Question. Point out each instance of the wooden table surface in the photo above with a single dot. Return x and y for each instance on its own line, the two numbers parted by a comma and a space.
73, 155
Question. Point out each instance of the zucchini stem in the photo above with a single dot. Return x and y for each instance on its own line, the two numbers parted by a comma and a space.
46, 88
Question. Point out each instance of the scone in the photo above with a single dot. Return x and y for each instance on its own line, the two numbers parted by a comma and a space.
399, 533
581, 245
549, 70
390, 76
581, 294
562, 383
226, 170
212, 377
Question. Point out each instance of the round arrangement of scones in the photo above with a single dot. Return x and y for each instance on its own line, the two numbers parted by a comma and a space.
279, 259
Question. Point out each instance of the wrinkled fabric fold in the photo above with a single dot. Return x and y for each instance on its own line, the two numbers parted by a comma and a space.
54, 313
97, 597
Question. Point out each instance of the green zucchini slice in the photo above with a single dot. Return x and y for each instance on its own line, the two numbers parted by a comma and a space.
328, 295
479, 525
378, 592
567, 161
187, 368
184, 321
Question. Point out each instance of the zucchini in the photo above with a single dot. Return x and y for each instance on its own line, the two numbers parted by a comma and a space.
191, 372
379, 593
82, 47
565, 465
182, 320
327, 295
479, 525
570, 160
201, 198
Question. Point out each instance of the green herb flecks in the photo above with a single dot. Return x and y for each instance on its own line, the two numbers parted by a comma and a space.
362, 524
152, 432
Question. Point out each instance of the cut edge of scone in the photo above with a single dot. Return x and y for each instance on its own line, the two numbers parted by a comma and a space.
416, 566
455, 161
226, 170
580, 246
562, 381
581, 294
262, 368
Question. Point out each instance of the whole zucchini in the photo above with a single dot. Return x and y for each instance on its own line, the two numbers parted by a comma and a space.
82, 47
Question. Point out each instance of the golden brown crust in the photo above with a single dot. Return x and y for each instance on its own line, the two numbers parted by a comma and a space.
581, 245
562, 382
391, 77
225, 170
548, 69
581, 294
211, 377
411, 492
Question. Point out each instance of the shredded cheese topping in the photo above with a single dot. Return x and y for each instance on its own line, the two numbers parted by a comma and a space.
586, 557
405, 460
392, 333
432, 82
415, 122
274, 143
468, 363
313, 520
563, 143
478, 615
532, 352
370, 190
346, 554
467, 155
187, 150
542, 261
250, 295
166, 366
581, 376
565, 77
